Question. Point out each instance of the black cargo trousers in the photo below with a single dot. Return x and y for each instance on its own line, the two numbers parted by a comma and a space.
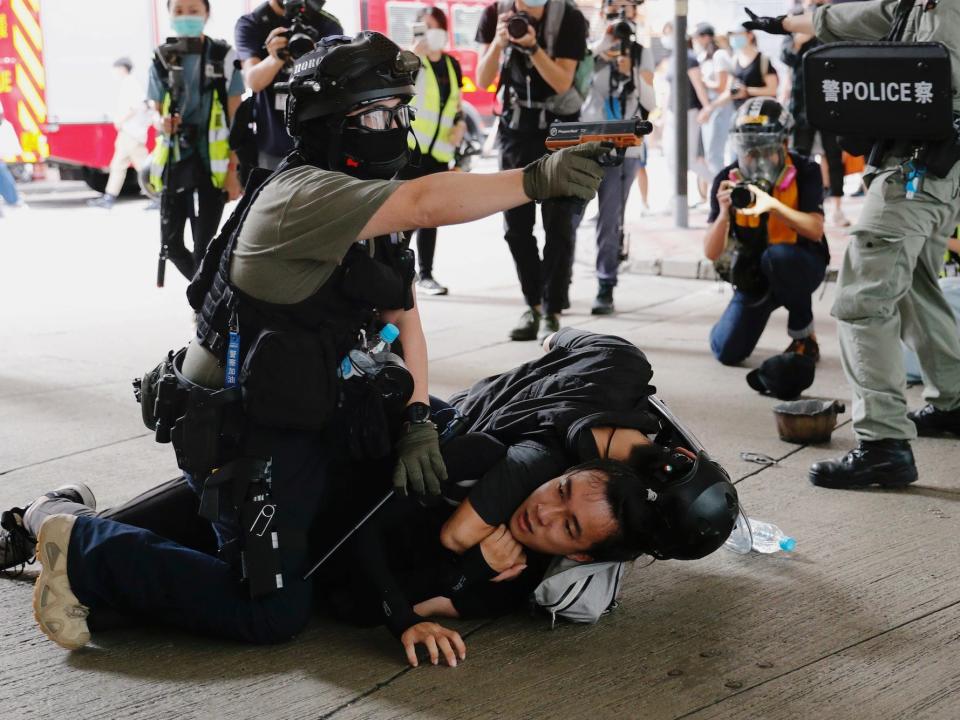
542, 281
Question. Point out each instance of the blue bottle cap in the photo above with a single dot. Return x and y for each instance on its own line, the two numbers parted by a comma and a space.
788, 544
389, 332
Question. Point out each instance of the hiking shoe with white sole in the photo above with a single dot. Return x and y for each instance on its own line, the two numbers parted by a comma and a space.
17, 542
58, 612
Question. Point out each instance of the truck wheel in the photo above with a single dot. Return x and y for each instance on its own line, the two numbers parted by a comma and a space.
96, 180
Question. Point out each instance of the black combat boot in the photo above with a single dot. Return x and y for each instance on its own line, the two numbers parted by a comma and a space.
527, 327
603, 304
888, 463
931, 422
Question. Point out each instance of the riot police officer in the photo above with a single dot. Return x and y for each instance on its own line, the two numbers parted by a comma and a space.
888, 281
311, 258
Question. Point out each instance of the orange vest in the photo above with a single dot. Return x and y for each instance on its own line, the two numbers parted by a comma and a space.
778, 232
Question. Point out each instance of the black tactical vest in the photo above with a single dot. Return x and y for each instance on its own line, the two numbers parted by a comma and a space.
373, 276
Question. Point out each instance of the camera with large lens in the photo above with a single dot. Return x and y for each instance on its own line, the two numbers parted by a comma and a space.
742, 197
302, 36
622, 29
519, 25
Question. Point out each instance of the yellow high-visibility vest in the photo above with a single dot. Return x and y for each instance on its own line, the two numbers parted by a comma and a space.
431, 128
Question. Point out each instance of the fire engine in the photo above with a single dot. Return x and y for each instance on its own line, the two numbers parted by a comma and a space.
56, 56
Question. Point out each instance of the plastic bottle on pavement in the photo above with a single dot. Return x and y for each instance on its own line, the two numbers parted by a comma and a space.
768, 538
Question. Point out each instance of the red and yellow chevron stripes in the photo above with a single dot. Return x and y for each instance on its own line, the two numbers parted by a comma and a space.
22, 26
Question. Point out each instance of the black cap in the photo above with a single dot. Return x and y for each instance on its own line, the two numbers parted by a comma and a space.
784, 376
704, 29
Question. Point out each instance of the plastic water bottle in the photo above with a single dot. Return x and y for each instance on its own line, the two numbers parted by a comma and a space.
768, 538
387, 336
348, 366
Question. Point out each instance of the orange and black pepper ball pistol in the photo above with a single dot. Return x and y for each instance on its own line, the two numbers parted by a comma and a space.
617, 134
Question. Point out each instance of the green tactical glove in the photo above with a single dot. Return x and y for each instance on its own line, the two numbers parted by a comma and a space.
571, 172
419, 463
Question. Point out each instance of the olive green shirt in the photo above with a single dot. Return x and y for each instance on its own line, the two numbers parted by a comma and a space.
872, 21
296, 233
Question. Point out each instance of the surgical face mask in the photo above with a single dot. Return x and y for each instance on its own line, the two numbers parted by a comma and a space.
534, 3
738, 42
188, 25
667, 42
436, 39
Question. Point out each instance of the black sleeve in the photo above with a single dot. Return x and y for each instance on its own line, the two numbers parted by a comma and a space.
249, 38
458, 71
502, 489
692, 61
790, 56
487, 29
491, 599
572, 338
809, 186
572, 37
714, 204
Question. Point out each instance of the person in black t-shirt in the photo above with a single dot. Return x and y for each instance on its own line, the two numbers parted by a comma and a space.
438, 126
774, 250
536, 78
261, 46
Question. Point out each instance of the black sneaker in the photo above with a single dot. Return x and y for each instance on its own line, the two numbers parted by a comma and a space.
888, 463
603, 304
528, 326
931, 422
17, 544
430, 286
550, 325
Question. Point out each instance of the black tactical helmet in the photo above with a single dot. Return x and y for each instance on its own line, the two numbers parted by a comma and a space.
698, 509
763, 115
343, 73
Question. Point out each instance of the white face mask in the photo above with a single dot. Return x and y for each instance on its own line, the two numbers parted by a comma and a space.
436, 39
667, 42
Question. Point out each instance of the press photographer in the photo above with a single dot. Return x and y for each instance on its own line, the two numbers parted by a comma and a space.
194, 87
766, 235
621, 88
872, 93
268, 39
537, 47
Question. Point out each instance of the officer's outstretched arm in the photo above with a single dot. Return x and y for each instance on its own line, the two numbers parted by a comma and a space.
453, 198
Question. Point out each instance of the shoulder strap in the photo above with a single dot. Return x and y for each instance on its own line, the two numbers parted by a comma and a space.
504, 6
764, 66
899, 26
556, 9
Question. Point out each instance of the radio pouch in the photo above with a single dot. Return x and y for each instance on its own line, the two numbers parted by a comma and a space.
289, 379
880, 90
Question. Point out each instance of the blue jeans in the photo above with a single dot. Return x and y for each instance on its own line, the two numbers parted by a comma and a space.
793, 272
117, 568
8, 187
612, 195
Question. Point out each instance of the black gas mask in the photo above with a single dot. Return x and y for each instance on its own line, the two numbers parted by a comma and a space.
372, 144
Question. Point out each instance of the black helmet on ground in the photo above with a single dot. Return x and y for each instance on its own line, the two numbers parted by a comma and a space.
328, 91
698, 506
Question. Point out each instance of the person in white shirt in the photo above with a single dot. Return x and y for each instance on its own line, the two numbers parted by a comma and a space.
9, 149
716, 68
131, 118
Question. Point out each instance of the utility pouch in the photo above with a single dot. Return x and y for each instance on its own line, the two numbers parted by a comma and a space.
377, 284
146, 390
939, 157
289, 379
881, 90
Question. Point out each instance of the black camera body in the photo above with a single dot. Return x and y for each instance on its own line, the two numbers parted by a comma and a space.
302, 37
519, 25
742, 197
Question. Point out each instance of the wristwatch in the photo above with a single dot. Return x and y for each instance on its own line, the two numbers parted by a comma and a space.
417, 413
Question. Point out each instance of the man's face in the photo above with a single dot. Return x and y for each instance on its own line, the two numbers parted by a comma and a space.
565, 516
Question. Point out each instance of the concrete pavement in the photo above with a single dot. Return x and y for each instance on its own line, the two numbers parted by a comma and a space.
860, 622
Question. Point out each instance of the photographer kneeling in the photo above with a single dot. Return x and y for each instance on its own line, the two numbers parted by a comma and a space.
535, 45
766, 235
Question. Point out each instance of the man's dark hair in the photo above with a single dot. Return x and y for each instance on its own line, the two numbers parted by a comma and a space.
125, 63
638, 523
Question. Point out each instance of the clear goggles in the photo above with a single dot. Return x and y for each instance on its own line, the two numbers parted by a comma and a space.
760, 156
380, 117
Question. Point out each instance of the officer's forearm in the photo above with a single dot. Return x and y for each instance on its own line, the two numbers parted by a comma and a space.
447, 198
808, 225
414, 351
799, 23
558, 75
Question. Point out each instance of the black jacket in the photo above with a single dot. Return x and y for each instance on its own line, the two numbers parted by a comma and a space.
585, 380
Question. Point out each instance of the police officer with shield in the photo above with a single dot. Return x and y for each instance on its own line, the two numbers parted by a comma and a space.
888, 282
